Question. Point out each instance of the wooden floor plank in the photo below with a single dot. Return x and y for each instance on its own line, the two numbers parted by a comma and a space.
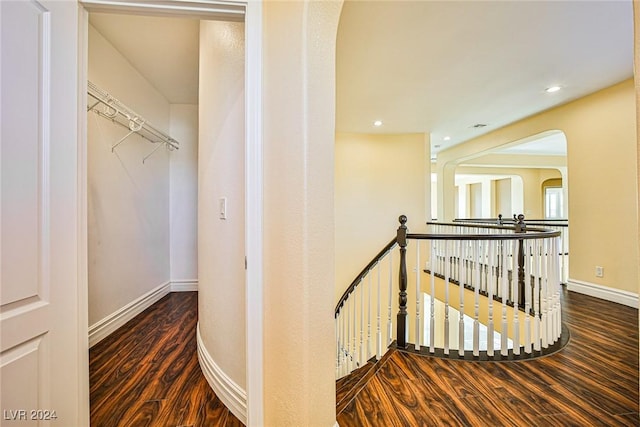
593, 381
147, 372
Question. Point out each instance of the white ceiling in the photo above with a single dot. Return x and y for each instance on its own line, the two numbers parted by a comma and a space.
443, 66
427, 66
164, 50
551, 144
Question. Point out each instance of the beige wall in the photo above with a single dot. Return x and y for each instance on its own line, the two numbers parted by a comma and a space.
184, 194
602, 188
221, 300
503, 197
475, 200
377, 179
299, 132
602, 180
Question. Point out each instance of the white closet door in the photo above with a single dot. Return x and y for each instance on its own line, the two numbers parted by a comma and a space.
41, 350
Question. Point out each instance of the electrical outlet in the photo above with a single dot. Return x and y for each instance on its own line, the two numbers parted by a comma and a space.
599, 271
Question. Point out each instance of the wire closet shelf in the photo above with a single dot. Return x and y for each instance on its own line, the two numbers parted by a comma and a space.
109, 107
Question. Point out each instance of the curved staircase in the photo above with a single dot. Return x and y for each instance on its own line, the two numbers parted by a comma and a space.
464, 291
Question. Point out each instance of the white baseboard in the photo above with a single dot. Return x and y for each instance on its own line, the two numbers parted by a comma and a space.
230, 393
103, 328
184, 285
604, 292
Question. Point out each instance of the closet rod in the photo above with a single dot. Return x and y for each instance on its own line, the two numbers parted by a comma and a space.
119, 113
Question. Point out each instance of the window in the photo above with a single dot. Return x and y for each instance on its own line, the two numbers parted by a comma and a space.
553, 202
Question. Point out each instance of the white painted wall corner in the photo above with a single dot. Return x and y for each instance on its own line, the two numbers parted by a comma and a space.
188, 285
106, 326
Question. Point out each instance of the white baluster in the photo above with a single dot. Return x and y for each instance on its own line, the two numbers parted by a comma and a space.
354, 333
462, 281
347, 308
516, 296
337, 332
379, 319
551, 290
535, 303
454, 260
504, 348
361, 350
389, 322
499, 261
418, 333
483, 264
432, 315
558, 308
343, 355
527, 299
476, 290
544, 286
565, 254
442, 257
369, 317
490, 287
343, 327
446, 298
558, 311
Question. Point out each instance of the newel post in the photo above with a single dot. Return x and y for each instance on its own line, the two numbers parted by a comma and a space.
402, 325
521, 227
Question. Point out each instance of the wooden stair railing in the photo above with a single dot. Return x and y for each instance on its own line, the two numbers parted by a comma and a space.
468, 300
561, 225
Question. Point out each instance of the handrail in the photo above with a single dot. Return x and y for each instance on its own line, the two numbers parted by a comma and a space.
363, 273
507, 219
530, 233
555, 222
476, 257
561, 225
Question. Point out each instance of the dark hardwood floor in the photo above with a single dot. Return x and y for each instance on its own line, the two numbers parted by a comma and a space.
147, 372
593, 381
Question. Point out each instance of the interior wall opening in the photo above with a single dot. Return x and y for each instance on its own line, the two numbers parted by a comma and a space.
142, 216
510, 180
154, 209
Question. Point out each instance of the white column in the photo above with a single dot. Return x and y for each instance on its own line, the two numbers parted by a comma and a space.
488, 197
299, 40
463, 201
446, 191
517, 195
565, 191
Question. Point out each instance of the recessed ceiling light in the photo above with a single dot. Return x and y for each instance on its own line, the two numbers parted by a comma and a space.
377, 123
553, 89
446, 138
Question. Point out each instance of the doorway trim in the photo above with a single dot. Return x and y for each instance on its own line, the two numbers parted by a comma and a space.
251, 12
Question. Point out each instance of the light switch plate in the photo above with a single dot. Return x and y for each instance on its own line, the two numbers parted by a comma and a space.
222, 203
